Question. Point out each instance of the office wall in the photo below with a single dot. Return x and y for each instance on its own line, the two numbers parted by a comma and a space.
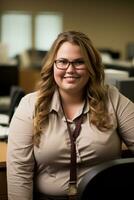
109, 23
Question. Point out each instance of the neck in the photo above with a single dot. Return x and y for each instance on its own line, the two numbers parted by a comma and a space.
71, 104
71, 99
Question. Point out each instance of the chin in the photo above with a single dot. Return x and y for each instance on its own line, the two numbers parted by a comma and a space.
71, 89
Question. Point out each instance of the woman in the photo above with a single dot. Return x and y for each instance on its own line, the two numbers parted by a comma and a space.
45, 149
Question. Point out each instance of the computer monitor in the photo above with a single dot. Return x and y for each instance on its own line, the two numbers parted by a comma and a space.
9, 76
112, 75
130, 51
126, 87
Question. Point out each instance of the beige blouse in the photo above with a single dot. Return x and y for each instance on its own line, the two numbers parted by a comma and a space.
52, 158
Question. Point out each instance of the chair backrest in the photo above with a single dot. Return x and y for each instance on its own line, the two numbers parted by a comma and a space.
109, 180
16, 94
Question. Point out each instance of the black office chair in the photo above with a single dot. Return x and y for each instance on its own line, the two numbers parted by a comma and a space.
16, 94
109, 180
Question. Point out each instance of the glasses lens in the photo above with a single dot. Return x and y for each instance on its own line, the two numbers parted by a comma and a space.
64, 64
78, 64
61, 64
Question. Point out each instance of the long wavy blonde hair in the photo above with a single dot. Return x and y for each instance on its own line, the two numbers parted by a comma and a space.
95, 88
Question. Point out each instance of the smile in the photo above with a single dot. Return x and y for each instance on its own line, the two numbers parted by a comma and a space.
71, 77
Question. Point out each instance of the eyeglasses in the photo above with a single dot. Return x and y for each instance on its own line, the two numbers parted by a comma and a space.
63, 64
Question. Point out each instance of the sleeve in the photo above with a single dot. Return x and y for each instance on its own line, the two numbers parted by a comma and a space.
20, 156
124, 109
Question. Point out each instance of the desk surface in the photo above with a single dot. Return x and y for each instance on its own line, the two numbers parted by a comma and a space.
3, 151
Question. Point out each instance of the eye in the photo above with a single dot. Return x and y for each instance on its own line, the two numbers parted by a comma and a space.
78, 62
63, 62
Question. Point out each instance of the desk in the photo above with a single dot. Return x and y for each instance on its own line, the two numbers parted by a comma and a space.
120, 65
3, 179
3, 150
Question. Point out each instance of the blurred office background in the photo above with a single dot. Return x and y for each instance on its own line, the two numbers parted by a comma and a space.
27, 29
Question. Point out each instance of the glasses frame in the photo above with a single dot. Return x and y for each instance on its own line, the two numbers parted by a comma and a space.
71, 63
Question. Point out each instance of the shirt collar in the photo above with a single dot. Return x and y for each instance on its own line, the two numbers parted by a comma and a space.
56, 106
55, 103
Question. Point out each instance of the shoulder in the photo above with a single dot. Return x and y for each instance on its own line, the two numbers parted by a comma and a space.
113, 96
27, 104
113, 92
29, 98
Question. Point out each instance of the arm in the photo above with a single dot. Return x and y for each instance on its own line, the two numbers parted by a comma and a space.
125, 113
20, 158
124, 110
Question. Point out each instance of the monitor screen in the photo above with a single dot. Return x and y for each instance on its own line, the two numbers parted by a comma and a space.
126, 87
9, 76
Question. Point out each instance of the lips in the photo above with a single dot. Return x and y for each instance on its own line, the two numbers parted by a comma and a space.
71, 77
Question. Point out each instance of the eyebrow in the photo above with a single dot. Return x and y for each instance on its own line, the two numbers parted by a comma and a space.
77, 59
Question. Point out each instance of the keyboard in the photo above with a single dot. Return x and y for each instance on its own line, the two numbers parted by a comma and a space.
4, 119
4, 130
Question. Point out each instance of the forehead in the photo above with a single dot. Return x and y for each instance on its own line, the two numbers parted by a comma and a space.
69, 50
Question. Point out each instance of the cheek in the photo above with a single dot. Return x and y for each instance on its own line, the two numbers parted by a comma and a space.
58, 75
85, 76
